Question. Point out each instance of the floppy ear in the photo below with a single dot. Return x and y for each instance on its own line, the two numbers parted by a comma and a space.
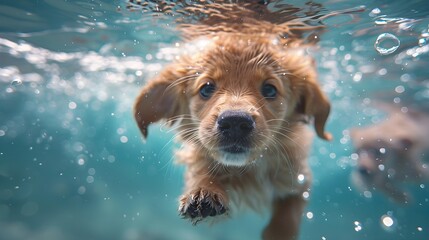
315, 104
159, 99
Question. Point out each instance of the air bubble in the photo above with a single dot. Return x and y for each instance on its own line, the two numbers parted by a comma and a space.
72, 105
358, 226
301, 178
386, 43
91, 171
16, 82
423, 41
397, 100
400, 89
374, 12
120, 131
367, 194
81, 190
305, 195
124, 139
357, 77
424, 38
111, 159
90, 179
81, 161
387, 222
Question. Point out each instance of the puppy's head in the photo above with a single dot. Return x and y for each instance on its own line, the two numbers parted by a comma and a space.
384, 157
236, 97
384, 151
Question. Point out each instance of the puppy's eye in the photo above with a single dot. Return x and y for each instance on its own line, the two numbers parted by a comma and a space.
207, 90
269, 91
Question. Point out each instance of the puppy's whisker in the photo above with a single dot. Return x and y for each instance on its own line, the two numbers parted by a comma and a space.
282, 153
283, 129
288, 132
190, 137
277, 150
180, 133
277, 119
276, 143
214, 169
171, 129
259, 101
284, 135
170, 123
181, 80
263, 105
244, 169
289, 138
184, 130
186, 136
183, 117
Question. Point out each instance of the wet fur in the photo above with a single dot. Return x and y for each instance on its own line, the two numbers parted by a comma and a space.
239, 64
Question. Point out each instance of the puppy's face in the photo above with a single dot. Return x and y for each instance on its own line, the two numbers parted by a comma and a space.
240, 102
237, 98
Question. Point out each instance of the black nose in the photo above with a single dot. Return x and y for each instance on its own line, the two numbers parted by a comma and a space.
235, 125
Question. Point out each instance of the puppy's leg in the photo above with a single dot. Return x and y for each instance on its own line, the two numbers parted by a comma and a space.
286, 218
203, 198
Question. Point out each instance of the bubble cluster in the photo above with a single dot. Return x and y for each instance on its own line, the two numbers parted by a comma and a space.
358, 226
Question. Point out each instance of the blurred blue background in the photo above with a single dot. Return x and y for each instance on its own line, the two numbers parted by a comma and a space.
73, 164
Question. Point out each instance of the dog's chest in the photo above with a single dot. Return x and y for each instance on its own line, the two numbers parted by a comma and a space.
257, 189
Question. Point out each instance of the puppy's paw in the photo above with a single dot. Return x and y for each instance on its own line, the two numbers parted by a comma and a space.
200, 204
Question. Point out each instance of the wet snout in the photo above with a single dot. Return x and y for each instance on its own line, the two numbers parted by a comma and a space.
235, 129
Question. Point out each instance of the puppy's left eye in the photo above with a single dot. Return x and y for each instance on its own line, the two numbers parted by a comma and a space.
207, 90
269, 91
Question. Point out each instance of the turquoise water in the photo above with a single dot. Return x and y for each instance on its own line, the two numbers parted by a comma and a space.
73, 164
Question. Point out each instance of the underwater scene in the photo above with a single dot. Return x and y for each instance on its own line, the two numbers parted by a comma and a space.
74, 164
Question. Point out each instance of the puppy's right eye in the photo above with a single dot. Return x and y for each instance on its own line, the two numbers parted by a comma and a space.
269, 91
207, 90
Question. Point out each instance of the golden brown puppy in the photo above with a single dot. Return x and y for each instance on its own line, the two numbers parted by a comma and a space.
241, 101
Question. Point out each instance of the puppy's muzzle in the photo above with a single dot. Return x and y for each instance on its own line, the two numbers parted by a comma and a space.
235, 128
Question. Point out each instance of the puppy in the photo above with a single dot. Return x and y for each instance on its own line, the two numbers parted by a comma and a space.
391, 153
240, 102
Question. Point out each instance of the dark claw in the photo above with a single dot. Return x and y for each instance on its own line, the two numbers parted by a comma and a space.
206, 209
201, 205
